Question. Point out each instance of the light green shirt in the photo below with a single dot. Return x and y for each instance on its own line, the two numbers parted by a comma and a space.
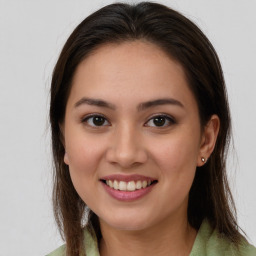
207, 243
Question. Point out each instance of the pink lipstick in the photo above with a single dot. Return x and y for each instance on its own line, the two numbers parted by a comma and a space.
128, 187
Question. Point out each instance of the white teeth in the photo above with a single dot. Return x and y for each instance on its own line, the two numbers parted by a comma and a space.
128, 186
110, 183
138, 185
116, 185
144, 183
131, 186
122, 185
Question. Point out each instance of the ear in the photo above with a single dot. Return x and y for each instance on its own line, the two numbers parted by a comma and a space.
62, 139
66, 159
208, 140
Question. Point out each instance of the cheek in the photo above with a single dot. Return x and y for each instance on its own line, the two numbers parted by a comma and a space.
84, 155
83, 163
177, 153
177, 160
83, 151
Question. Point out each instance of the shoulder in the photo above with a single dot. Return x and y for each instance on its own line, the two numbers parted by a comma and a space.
210, 242
58, 252
90, 245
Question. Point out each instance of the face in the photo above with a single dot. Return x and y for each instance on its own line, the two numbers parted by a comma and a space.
132, 135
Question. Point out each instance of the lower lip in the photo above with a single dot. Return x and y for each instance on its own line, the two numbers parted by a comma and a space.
128, 195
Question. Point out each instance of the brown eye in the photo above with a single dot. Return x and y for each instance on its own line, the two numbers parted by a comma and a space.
96, 121
160, 121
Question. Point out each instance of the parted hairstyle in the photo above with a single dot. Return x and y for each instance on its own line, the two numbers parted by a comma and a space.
210, 196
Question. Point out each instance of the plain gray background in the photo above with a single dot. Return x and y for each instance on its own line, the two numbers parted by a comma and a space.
32, 34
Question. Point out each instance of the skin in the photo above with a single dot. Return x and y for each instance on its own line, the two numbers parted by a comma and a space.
127, 75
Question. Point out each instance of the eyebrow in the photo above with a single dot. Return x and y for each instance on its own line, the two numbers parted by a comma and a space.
95, 102
158, 102
141, 106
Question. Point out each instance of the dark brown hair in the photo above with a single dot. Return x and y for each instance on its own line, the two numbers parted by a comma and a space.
178, 37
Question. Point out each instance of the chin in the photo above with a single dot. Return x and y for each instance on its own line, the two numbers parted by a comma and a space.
129, 226
129, 223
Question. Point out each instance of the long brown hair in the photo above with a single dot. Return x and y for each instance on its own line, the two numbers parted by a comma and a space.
178, 37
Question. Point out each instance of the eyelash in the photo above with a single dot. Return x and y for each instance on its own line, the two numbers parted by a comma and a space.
166, 118
88, 117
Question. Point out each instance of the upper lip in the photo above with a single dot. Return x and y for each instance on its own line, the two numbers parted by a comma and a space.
127, 178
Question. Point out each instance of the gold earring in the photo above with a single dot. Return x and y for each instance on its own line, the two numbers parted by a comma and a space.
203, 159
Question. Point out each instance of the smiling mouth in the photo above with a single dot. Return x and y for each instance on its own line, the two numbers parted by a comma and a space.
130, 185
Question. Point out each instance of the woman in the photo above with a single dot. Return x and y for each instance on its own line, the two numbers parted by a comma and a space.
140, 130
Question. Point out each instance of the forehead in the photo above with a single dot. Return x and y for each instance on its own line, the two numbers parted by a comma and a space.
136, 69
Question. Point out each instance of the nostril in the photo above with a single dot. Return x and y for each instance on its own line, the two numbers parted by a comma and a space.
126, 157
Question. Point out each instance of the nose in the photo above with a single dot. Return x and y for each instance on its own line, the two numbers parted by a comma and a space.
126, 148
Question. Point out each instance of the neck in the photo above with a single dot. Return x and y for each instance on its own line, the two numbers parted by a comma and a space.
171, 237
